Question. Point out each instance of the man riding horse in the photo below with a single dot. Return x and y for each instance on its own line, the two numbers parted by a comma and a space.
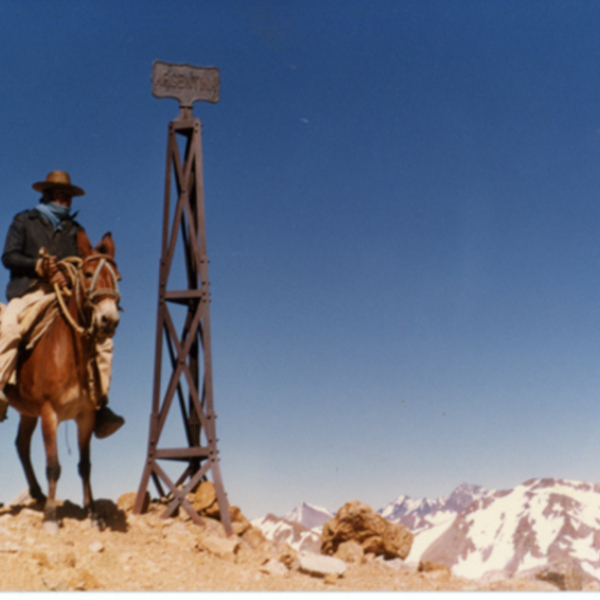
51, 227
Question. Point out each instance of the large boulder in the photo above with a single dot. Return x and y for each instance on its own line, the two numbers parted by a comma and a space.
359, 522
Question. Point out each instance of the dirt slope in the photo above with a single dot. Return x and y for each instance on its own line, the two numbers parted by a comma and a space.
147, 553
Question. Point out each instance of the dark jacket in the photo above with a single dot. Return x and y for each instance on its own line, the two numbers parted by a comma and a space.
29, 232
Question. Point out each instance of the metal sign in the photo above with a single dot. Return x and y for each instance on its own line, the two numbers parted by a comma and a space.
185, 83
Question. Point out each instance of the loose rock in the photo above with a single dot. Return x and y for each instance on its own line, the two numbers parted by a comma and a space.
567, 576
289, 557
427, 566
10, 547
224, 548
319, 565
254, 537
126, 502
204, 500
239, 523
350, 552
96, 546
84, 581
275, 568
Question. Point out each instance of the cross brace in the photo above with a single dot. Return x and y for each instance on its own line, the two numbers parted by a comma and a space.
189, 354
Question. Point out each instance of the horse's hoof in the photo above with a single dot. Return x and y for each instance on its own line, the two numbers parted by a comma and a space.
98, 522
38, 497
51, 527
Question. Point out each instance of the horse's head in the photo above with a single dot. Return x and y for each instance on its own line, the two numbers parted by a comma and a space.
98, 280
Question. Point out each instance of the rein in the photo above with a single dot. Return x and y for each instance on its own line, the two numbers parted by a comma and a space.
85, 297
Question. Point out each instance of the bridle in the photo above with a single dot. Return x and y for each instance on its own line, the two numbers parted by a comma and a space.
86, 297
92, 294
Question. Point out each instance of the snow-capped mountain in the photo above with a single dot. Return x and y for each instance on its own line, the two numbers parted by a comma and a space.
425, 513
309, 516
539, 522
301, 528
476, 531
428, 518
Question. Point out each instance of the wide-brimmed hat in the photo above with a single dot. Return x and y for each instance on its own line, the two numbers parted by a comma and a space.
58, 179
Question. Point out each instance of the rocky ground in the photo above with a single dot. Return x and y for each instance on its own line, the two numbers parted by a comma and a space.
148, 553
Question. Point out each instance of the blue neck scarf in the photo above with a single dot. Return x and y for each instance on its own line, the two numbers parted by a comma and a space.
53, 212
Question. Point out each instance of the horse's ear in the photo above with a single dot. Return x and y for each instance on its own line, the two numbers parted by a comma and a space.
83, 243
107, 245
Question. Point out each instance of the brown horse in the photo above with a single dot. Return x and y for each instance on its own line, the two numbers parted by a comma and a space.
53, 379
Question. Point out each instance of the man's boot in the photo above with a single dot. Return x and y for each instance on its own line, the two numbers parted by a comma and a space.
107, 422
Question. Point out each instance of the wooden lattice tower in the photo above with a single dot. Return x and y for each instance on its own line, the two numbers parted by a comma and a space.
190, 384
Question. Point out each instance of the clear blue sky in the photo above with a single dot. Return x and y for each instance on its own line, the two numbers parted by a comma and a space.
402, 202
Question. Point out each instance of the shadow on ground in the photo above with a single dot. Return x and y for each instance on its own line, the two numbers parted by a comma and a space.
112, 517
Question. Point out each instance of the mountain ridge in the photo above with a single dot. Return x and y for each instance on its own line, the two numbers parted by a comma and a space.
477, 531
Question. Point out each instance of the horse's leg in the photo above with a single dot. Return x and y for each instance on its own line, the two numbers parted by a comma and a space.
49, 427
85, 428
27, 426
